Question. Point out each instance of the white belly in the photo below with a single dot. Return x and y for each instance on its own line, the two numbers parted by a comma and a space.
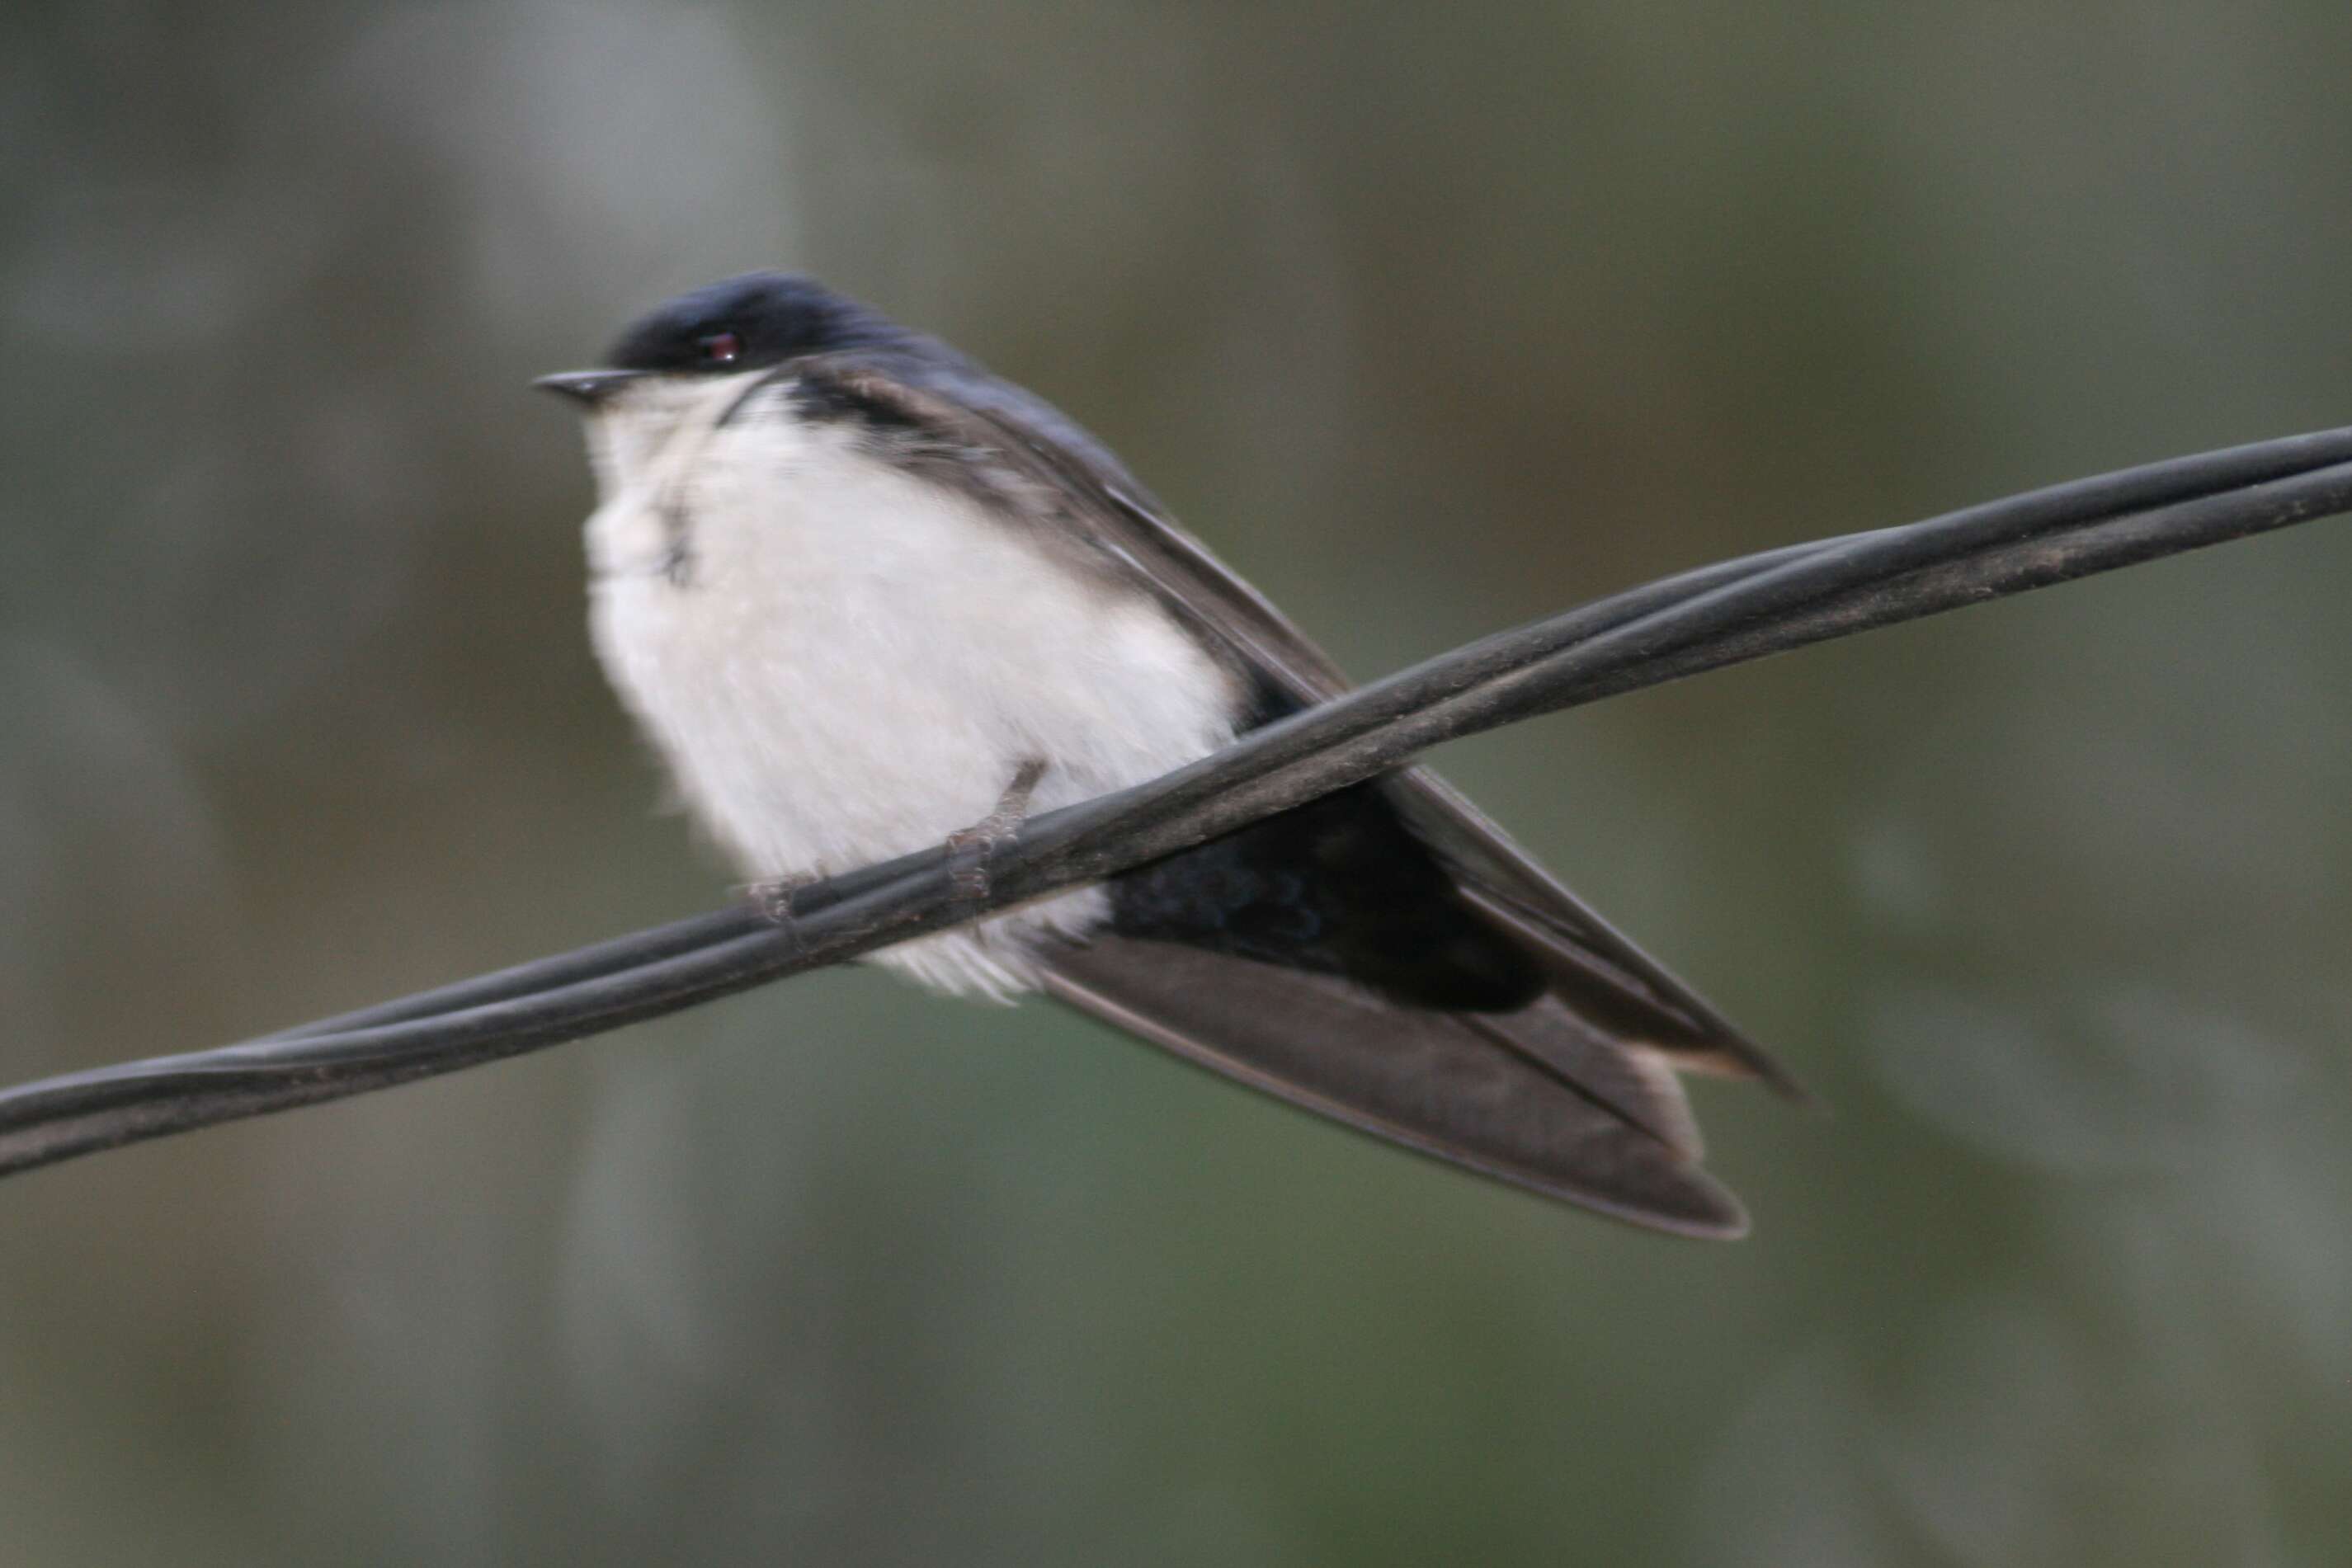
847, 664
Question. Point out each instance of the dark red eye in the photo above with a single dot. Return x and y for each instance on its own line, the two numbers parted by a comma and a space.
721, 349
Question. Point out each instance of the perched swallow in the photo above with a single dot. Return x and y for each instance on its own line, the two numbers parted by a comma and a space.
864, 596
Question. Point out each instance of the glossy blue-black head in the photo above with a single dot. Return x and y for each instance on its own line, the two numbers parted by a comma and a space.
747, 323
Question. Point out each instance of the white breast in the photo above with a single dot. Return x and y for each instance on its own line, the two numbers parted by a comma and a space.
841, 663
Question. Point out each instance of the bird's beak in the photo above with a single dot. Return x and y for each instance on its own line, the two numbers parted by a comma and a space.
591, 386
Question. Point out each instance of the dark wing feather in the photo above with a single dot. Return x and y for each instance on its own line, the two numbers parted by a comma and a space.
1480, 1088
1597, 969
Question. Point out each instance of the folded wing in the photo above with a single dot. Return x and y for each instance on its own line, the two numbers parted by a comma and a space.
1487, 1016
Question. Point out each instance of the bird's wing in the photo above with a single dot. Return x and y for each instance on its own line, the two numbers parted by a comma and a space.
1497, 1092
1598, 971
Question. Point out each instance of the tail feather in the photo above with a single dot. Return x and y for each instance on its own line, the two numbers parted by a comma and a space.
1534, 1098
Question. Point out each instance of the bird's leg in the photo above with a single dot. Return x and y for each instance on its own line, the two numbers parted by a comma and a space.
971, 849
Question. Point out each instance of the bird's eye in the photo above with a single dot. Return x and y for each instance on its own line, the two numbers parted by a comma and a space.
720, 349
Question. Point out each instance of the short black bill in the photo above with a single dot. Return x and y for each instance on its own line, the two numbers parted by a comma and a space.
591, 386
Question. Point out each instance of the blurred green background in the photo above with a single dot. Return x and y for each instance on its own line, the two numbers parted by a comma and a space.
1431, 320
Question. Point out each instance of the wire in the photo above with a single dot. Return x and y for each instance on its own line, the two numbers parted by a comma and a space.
1702, 619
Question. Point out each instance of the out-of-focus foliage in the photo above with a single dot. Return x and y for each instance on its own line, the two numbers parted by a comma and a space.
1432, 318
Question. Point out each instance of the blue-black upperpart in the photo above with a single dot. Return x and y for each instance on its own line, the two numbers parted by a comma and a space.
748, 323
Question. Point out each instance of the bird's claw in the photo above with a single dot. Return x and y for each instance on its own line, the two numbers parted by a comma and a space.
773, 900
969, 850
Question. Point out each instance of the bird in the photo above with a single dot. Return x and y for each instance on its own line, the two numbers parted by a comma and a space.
864, 597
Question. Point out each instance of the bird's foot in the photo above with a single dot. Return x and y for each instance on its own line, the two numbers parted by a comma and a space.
773, 900
969, 850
